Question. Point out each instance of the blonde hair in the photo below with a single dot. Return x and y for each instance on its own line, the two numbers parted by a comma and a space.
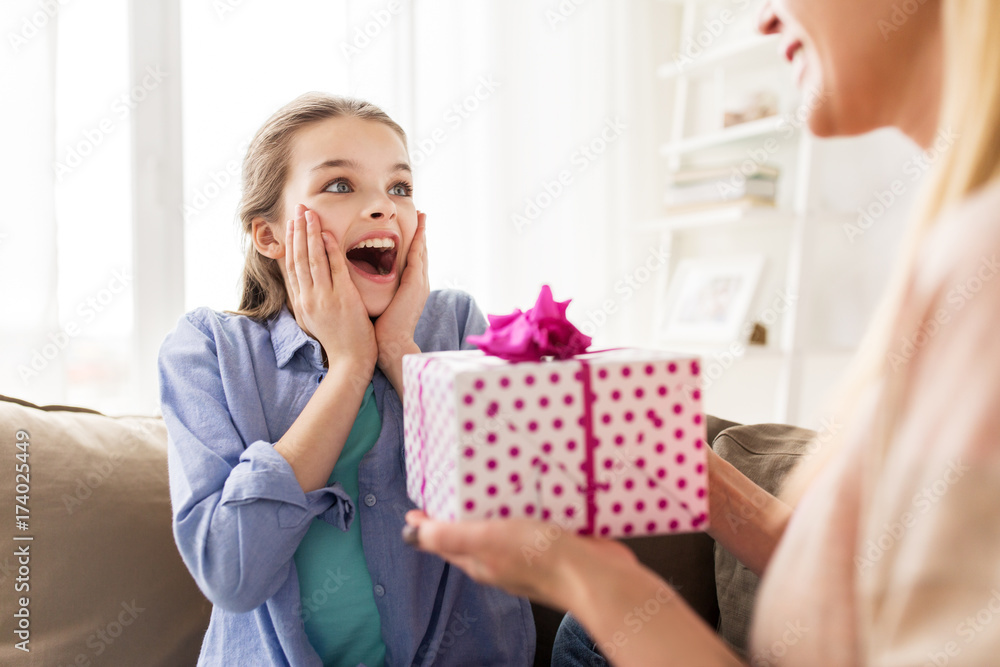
970, 103
265, 170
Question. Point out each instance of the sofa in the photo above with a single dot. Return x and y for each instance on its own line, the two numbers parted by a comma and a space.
92, 576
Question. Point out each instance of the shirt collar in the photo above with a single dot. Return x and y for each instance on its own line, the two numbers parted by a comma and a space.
287, 337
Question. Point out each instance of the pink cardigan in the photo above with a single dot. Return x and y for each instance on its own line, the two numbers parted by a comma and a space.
899, 564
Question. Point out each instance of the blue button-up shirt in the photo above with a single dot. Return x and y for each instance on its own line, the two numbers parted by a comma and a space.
230, 387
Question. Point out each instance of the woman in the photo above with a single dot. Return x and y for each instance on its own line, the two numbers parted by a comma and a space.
916, 460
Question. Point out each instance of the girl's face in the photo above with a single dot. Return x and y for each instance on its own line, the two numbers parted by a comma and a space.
865, 61
355, 175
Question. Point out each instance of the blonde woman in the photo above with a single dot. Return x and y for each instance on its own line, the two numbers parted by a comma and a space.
920, 408
285, 419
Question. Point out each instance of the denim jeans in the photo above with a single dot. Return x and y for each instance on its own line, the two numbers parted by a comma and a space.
573, 647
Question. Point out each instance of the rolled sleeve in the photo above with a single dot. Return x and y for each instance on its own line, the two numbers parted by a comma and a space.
263, 474
239, 512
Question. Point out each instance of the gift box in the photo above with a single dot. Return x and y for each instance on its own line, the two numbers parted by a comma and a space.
610, 443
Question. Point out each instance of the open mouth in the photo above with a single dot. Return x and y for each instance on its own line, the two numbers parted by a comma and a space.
375, 256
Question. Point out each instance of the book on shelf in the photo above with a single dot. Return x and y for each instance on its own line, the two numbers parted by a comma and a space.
719, 192
707, 208
728, 173
721, 185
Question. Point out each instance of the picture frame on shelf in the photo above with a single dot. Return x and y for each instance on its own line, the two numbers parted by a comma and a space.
708, 299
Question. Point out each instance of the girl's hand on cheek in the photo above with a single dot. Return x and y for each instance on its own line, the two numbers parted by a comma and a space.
323, 296
394, 328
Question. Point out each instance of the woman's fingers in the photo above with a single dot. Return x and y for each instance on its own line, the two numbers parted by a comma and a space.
455, 543
490, 551
460, 539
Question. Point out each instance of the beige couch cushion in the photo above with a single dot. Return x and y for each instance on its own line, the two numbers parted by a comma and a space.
765, 453
107, 585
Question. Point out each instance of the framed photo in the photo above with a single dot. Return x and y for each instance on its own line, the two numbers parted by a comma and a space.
708, 298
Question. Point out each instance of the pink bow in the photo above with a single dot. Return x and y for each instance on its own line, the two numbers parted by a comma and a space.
542, 331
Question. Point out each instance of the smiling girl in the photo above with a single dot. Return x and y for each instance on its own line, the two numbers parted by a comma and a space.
285, 418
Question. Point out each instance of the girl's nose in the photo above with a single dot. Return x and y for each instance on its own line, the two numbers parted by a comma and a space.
379, 207
768, 23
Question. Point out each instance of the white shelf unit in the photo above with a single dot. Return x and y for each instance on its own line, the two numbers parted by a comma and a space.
743, 48
754, 129
734, 58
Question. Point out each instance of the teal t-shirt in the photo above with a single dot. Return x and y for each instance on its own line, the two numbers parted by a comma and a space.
338, 605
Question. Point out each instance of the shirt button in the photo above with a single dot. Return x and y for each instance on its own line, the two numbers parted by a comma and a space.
370, 499
379, 591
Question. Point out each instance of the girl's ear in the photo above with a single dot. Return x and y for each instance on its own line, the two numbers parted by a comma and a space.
268, 238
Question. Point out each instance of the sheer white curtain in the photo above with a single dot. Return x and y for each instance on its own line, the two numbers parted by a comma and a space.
65, 236
522, 132
27, 229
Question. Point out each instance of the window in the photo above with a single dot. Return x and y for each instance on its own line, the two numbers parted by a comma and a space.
66, 246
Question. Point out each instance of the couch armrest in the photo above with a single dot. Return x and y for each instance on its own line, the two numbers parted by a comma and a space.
714, 426
765, 453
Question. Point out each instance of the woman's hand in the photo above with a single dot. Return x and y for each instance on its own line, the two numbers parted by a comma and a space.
395, 326
633, 616
326, 302
526, 557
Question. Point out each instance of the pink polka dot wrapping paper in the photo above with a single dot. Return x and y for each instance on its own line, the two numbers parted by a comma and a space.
488, 438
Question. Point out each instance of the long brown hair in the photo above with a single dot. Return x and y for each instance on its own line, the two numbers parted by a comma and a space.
265, 170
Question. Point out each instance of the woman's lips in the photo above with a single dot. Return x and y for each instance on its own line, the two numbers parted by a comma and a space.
791, 49
795, 54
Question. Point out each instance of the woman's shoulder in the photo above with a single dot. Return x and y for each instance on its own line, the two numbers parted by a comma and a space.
963, 244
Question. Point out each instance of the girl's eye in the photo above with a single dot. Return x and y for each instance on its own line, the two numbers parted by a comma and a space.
401, 189
339, 186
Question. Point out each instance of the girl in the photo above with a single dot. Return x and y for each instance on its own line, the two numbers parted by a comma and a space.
285, 418
917, 458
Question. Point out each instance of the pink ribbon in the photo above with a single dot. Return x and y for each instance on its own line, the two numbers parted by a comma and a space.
541, 331
590, 444
422, 435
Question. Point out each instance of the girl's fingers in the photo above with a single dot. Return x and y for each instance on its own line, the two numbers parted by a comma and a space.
416, 257
420, 237
289, 260
301, 252
422, 229
338, 262
319, 266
